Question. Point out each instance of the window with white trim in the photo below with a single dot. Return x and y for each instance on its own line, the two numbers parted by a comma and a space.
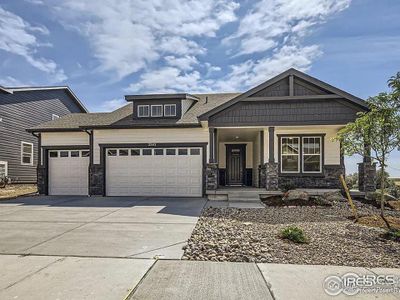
26, 153
156, 110
290, 154
143, 111
3, 169
312, 154
54, 117
169, 110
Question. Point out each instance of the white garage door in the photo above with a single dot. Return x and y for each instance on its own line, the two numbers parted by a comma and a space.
68, 172
154, 172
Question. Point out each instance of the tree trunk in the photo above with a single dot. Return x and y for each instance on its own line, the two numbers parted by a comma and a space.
383, 196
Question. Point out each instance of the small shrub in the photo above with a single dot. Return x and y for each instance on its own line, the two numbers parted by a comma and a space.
294, 234
393, 234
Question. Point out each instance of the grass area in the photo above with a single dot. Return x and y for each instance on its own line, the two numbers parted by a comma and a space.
15, 190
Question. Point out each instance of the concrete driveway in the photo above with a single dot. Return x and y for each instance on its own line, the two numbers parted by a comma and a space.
98, 226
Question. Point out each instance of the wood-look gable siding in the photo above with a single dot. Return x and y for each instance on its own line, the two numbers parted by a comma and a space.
274, 113
22, 110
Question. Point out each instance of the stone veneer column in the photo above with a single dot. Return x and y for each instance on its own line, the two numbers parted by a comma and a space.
367, 177
96, 180
262, 176
212, 176
41, 179
272, 175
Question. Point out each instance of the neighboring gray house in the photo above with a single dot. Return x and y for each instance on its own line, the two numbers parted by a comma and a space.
22, 108
188, 145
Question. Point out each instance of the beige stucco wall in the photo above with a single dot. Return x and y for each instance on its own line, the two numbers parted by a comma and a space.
159, 135
222, 154
64, 138
332, 148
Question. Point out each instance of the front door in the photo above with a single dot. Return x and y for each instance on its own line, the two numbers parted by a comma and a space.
235, 164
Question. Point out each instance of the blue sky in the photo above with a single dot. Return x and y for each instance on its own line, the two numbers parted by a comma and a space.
105, 49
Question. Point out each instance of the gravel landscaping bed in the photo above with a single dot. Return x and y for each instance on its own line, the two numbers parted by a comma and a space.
253, 235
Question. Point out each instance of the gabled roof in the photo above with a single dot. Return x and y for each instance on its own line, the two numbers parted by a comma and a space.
121, 118
12, 90
294, 72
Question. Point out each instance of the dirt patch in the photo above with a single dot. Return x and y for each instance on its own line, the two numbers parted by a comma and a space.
394, 205
15, 190
376, 221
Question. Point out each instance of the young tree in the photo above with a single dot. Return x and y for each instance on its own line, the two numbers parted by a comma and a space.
379, 129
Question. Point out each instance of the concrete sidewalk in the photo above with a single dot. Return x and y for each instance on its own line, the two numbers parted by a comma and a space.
228, 280
64, 278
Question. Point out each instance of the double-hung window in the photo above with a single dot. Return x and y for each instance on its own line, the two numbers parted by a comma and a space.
290, 154
311, 154
26, 153
170, 110
143, 111
301, 154
156, 110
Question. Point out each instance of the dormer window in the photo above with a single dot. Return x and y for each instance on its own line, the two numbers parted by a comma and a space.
170, 110
156, 110
143, 111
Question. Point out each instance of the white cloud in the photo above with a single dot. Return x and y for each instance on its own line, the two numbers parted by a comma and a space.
183, 63
127, 36
113, 104
169, 80
180, 46
271, 21
18, 37
241, 77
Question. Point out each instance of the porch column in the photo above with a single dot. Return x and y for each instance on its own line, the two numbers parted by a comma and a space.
213, 145
212, 166
271, 145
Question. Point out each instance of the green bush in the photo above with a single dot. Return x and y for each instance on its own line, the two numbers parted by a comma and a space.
394, 234
294, 234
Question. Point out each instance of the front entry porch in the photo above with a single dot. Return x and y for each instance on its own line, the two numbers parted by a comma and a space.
238, 155
271, 159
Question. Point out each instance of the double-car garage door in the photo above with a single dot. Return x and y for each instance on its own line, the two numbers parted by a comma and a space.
154, 172
173, 171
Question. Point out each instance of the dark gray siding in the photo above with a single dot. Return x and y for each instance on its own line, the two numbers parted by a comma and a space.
281, 88
23, 110
274, 113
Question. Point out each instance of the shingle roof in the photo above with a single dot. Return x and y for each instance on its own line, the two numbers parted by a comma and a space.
122, 116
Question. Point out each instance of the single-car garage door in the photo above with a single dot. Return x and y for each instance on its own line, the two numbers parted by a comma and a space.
154, 172
68, 172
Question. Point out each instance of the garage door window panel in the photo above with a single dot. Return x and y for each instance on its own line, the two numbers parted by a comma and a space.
112, 152
147, 151
74, 153
135, 152
64, 153
123, 152
53, 154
